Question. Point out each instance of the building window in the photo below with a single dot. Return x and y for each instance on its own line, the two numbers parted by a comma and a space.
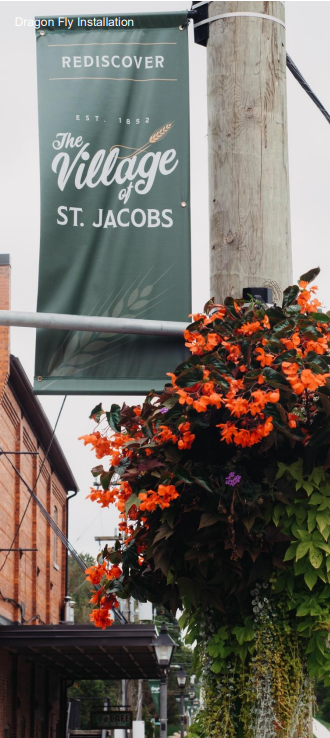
55, 540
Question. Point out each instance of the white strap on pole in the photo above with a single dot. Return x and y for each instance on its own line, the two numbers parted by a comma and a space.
206, 2
240, 15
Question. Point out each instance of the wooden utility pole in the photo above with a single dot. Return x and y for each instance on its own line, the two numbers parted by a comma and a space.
248, 152
250, 242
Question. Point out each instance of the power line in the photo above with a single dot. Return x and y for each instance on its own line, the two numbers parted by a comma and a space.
118, 615
298, 76
35, 484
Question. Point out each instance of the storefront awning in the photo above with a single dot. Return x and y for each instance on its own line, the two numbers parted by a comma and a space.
85, 652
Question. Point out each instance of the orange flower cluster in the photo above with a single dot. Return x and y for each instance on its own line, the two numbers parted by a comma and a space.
164, 434
305, 380
101, 618
117, 495
162, 498
95, 574
198, 344
187, 438
101, 444
307, 304
243, 437
206, 394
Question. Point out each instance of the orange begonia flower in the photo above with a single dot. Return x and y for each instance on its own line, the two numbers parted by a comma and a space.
218, 315
162, 498
101, 617
247, 329
265, 359
201, 404
164, 435
238, 406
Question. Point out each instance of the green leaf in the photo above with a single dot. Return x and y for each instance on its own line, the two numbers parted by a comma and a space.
189, 589
213, 650
96, 413
274, 378
290, 552
325, 547
208, 518
308, 488
137, 591
311, 518
183, 619
300, 513
321, 435
310, 578
122, 466
280, 329
182, 473
203, 483
315, 557
290, 295
105, 480
275, 314
113, 418
316, 498
320, 317
217, 666
132, 500
97, 470
322, 520
290, 355
130, 556
223, 633
310, 275
189, 377
302, 549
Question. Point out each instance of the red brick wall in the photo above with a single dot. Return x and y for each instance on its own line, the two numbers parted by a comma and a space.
34, 580
29, 694
4, 332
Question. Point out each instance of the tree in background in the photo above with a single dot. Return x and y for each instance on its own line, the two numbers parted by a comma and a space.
79, 589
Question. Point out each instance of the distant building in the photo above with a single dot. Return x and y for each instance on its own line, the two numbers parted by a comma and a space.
32, 583
39, 655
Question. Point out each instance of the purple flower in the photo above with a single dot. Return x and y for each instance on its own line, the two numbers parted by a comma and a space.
163, 410
233, 479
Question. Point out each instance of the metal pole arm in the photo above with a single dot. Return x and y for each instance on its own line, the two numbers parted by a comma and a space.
58, 321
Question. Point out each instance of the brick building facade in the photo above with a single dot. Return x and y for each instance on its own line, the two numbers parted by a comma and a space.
32, 583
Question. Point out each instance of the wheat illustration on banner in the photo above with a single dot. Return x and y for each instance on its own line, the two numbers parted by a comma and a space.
154, 138
77, 349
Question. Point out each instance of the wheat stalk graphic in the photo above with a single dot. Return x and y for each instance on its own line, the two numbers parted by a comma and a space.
154, 138
160, 133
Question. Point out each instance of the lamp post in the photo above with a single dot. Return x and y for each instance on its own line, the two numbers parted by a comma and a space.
191, 695
164, 648
181, 679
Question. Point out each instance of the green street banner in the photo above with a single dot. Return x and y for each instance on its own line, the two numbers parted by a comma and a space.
154, 685
115, 199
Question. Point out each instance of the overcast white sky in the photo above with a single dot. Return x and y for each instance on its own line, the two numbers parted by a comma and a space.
308, 26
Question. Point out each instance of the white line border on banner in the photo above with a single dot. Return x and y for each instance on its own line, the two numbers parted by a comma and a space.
113, 79
120, 43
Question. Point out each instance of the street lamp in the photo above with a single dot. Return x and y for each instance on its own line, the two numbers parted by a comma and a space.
164, 648
191, 693
181, 679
